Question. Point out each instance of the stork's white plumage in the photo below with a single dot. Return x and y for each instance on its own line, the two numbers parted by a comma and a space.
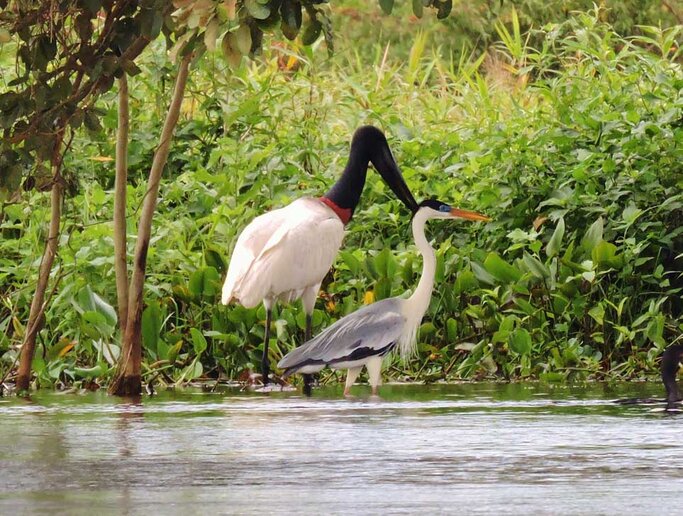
283, 255
365, 337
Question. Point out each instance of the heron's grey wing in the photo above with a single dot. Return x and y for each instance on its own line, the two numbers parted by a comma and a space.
372, 330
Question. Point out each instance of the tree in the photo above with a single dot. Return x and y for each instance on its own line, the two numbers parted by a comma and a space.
68, 53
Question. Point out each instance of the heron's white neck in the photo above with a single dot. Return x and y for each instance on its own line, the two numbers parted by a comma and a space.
416, 305
419, 301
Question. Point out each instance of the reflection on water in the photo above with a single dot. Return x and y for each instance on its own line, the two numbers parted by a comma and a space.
482, 448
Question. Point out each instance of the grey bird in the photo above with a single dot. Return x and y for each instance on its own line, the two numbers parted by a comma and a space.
365, 337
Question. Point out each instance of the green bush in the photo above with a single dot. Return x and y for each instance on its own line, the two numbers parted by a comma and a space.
573, 147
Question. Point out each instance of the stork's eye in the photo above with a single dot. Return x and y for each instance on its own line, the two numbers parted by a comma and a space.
444, 208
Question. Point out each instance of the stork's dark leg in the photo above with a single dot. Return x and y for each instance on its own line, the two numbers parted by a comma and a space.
265, 365
308, 378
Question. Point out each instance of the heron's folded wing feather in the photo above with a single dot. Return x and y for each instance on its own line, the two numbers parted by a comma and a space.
373, 328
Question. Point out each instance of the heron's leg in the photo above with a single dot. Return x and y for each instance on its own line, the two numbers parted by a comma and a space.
308, 302
351, 376
374, 366
265, 364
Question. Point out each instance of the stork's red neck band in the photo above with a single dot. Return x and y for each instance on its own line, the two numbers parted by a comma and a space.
344, 214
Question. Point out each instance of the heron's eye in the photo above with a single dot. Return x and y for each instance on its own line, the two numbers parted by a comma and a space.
444, 208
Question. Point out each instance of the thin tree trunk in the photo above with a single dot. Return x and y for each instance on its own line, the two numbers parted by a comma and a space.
127, 379
120, 258
36, 316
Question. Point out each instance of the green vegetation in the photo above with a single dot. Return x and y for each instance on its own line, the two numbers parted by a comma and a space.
570, 136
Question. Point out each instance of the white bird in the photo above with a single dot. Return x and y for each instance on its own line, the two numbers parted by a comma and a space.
285, 254
365, 337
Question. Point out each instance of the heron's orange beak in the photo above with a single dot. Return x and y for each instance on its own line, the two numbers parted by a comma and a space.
469, 215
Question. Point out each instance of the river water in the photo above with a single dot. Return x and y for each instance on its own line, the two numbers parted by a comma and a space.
465, 449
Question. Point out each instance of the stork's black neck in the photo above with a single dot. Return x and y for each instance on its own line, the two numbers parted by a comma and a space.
346, 192
368, 145
670, 360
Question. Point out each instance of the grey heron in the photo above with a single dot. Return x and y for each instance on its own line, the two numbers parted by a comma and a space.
365, 337
284, 254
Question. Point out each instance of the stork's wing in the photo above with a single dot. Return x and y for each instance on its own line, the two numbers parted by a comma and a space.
303, 241
367, 332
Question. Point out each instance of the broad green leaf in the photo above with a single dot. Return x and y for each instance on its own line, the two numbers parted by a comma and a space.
593, 236
351, 261
89, 372
204, 282
605, 253
256, 9
87, 300
96, 325
535, 266
555, 242
241, 39
482, 275
198, 341
312, 31
465, 281
520, 341
386, 5
173, 351
418, 8
151, 326
598, 313
500, 269
214, 258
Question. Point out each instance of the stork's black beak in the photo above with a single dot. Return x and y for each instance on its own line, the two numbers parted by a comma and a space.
387, 167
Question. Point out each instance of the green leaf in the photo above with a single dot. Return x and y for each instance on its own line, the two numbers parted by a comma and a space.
312, 31
387, 6
173, 352
482, 275
385, 263
214, 259
89, 372
241, 39
555, 242
194, 370
151, 326
500, 269
605, 253
598, 313
87, 300
351, 261
418, 8
232, 55
198, 341
520, 341
593, 236
95, 325
465, 281
257, 9
204, 282
535, 266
